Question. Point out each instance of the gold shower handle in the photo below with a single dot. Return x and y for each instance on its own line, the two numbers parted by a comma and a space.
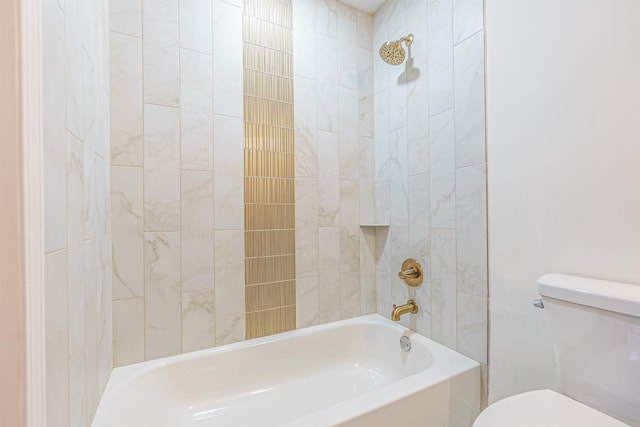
411, 272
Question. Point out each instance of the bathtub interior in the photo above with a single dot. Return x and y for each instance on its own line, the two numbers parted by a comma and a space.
266, 382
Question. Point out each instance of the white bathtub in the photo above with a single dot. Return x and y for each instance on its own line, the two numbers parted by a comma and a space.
347, 373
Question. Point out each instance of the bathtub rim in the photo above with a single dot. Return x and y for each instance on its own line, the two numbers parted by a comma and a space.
454, 364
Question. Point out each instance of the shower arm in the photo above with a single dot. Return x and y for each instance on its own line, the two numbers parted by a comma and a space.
407, 40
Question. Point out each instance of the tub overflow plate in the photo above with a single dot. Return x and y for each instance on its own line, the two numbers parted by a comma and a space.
405, 343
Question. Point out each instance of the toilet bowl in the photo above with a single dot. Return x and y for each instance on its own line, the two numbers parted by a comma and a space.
543, 408
596, 334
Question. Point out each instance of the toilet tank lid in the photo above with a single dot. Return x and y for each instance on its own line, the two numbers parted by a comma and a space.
602, 294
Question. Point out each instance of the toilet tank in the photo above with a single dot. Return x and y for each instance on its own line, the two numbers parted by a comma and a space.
596, 327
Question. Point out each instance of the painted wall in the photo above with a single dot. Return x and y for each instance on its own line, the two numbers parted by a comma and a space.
563, 79
13, 387
430, 169
177, 171
76, 208
334, 161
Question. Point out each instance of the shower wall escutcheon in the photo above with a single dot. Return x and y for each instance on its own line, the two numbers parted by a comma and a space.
393, 53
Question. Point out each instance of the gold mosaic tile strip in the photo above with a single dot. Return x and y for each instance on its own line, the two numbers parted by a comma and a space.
269, 243
269, 163
270, 269
267, 112
275, 11
270, 295
259, 32
269, 193
267, 86
269, 190
269, 217
267, 322
268, 61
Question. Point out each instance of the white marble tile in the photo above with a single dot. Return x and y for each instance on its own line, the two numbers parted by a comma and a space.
128, 331
196, 130
228, 162
327, 83
397, 99
382, 135
53, 116
380, 26
126, 100
419, 221
367, 181
398, 241
102, 196
198, 320
126, 17
366, 113
417, 25
350, 295
442, 171
90, 193
380, 69
161, 168
365, 30
227, 61
127, 223
306, 227
161, 52
196, 81
423, 318
326, 17
440, 39
468, 18
397, 16
418, 124
196, 228
383, 249
89, 116
56, 338
347, 46
383, 293
163, 312
75, 283
73, 21
307, 302
229, 273
91, 270
349, 144
443, 287
471, 213
306, 127
329, 249
349, 226
304, 35
469, 101
398, 178
105, 314
472, 327
383, 202
368, 304
329, 296
328, 179
196, 25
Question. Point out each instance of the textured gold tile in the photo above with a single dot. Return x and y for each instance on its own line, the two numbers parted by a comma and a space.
269, 165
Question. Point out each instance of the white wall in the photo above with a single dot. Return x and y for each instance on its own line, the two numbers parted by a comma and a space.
563, 79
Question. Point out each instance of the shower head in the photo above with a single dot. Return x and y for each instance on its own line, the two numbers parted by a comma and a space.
393, 53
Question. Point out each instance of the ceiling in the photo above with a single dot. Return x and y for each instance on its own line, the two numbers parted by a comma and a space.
369, 6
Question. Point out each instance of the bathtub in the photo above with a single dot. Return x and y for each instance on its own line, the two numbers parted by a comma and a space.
347, 373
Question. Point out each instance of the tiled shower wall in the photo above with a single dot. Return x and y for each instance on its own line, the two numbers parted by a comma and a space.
333, 78
431, 170
177, 250
177, 171
77, 236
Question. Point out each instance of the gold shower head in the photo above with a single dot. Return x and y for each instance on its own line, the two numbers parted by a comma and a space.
393, 53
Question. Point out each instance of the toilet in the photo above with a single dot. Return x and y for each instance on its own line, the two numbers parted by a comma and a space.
596, 327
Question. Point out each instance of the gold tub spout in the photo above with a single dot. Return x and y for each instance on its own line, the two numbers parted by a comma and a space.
410, 307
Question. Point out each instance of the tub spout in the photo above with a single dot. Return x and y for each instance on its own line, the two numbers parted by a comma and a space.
410, 307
